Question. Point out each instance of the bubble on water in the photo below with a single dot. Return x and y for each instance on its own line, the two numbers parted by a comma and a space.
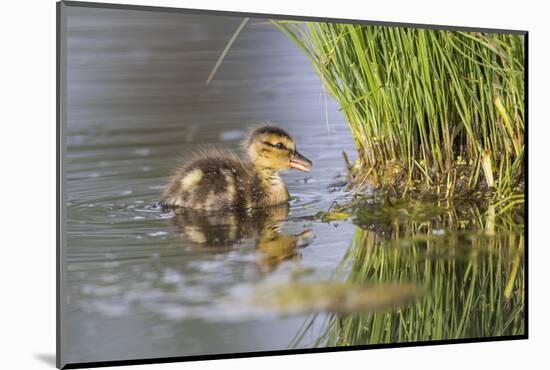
146, 168
137, 218
158, 233
126, 192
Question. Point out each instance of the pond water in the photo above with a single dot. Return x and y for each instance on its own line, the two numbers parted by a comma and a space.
140, 284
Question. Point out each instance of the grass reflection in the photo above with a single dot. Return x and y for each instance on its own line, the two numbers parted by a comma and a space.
468, 260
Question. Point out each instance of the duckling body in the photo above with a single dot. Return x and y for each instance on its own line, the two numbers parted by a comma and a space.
219, 180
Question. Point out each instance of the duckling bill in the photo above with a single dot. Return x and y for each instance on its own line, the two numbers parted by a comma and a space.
217, 180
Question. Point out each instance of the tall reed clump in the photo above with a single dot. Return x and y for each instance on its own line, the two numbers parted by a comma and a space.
431, 111
472, 274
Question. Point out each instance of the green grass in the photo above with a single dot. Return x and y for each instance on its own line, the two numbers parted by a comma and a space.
468, 261
431, 111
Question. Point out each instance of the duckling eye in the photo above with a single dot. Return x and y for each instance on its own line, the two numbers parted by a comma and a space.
279, 146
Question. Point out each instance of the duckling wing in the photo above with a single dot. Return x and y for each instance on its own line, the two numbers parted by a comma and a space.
211, 182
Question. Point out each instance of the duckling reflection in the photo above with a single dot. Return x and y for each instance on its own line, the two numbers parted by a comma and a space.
235, 228
277, 247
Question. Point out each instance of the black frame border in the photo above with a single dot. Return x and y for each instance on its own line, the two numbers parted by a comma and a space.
60, 64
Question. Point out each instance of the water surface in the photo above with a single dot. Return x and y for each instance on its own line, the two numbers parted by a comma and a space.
137, 106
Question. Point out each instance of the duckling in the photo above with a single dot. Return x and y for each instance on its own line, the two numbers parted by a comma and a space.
218, 180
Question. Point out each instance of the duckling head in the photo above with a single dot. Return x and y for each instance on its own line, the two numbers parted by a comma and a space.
272, 148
